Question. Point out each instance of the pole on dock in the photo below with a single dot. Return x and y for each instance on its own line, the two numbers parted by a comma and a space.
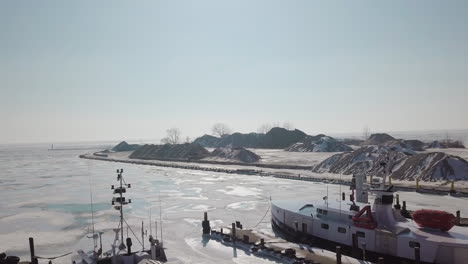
397, 205
343, 196
206, 224
364, 251
31, 250
233, 233
458, 221
452, 186
417, 183
417, 256
338, 255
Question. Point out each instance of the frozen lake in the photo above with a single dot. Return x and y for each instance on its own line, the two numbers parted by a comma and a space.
46, 195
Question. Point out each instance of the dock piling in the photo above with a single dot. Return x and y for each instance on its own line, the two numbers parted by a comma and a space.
233, 232
31, 250
206, 224
417, 256
338, 255
458, 221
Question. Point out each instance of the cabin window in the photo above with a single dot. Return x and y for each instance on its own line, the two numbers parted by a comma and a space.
413, 244
324, 226
360, 234
342, 230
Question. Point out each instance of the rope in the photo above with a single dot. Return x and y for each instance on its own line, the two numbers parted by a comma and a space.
133, 233
268, 209
54, 257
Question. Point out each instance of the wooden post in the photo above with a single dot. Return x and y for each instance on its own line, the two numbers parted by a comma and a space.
338, 255
31, 250
417, 183
458, 222
370, 180
390, 180
343, 196
417, 257
452, 186
233, 233
206, 224
364, 251
397, 205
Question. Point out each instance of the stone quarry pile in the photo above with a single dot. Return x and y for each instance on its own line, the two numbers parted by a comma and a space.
319, 143
235, 154
170, 152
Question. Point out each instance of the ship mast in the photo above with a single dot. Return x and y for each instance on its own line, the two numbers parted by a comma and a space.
120, 200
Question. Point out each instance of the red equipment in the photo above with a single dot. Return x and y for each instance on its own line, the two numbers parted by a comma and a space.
366, 221
434, 219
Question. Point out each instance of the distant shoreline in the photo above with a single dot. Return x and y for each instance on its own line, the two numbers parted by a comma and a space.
292, 172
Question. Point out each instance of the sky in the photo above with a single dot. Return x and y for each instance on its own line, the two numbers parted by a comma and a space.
114, 70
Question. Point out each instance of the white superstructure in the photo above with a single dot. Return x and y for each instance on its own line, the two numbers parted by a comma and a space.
378, 228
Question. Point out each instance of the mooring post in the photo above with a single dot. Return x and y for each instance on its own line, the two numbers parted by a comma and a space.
380, 260
233, 232
452, 186
343, 196
458, 221
262, 242
364, 251
206, 224
338, 255
397, 204
417, 256
129, 246
417, 183
31, 250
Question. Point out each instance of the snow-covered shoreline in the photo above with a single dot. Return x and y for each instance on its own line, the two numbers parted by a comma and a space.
273, 168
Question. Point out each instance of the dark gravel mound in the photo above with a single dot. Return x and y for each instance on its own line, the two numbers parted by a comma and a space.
432, 167
207, 141
276, 138
124, 146
237, 140
319, 143
280, 138
170, 152
363, 160
415, 145
378, 139
445, 144
236, 154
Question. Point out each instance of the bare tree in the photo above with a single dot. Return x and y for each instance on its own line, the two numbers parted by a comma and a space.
264, 128
173, 136
365, 132
288, 125
220, 130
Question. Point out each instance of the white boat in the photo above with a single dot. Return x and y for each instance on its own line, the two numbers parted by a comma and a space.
120, 252
378, 229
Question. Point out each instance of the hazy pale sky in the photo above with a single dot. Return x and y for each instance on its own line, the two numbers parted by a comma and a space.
110, 70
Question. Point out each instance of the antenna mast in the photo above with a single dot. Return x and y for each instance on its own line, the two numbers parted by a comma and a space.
120, 200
